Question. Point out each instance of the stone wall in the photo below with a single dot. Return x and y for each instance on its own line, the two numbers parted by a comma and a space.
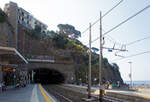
66, 69
6, 35
28, 45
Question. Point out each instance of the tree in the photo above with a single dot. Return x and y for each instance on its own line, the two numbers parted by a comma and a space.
47, 41
51, 33
36, 32
105, 60
69, 31
38, 28
60, 41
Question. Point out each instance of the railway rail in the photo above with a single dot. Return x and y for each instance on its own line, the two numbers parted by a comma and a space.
106, 98
64, 98
112, 99
59, 97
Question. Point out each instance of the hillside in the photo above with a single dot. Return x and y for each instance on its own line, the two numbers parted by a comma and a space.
69, 48
62, 44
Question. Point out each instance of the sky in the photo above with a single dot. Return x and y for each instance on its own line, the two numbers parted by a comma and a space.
80, 13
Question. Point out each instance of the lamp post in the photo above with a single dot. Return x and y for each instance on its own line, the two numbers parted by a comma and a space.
130, 75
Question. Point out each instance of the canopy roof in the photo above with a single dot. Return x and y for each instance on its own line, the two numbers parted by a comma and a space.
12, 55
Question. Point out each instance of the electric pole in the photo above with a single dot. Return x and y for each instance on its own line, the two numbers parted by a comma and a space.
100, 61
89, 74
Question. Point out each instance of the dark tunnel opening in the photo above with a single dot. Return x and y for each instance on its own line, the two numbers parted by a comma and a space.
48, 76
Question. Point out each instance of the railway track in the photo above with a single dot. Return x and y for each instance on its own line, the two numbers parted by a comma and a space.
106, 98
111, 99
63, 97
59, 97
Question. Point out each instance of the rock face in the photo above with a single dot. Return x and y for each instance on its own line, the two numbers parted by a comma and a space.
112, 73
28, 45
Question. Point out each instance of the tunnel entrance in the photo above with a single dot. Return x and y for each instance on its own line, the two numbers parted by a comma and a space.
48, 76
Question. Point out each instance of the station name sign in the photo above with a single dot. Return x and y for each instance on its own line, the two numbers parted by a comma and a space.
33, 58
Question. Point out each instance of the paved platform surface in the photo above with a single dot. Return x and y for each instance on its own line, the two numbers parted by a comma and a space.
30, 93
145, 93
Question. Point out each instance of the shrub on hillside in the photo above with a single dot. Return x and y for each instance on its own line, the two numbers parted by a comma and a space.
3, 16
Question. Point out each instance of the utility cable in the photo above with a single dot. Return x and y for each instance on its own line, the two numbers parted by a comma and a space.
123, 22
103, 16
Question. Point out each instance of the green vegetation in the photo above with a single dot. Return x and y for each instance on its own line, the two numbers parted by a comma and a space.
3, 16
66, 39
60, 41
69, 31
36, 33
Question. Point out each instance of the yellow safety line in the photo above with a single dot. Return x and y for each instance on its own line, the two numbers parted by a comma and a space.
146, 97
44, 94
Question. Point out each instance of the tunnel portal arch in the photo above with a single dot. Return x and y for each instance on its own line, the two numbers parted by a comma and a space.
48, 76
64, 71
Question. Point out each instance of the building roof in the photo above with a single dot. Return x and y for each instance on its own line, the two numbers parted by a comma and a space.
12, 53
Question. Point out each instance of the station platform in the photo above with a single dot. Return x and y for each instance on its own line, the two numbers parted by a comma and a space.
30, 93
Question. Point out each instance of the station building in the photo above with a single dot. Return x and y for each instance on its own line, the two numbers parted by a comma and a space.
10, 60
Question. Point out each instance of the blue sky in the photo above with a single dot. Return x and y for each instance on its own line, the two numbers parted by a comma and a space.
80, 13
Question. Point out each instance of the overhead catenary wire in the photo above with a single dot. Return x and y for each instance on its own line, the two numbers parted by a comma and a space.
133, 55
136, 41
112, 40
127, 44
131, 43
103, 16
123, 22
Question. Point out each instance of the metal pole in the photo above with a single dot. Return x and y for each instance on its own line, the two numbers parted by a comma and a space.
100, 61
89, 75
130, 73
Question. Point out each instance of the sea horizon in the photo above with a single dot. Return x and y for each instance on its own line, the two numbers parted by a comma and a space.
139, 82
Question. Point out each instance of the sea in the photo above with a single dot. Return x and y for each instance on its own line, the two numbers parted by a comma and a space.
139, 83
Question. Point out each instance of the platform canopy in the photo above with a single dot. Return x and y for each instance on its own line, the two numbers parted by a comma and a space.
12, 55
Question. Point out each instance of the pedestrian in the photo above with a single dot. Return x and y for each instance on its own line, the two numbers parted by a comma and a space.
114, 85
0, 87
107, 83
3, 86
118, 84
